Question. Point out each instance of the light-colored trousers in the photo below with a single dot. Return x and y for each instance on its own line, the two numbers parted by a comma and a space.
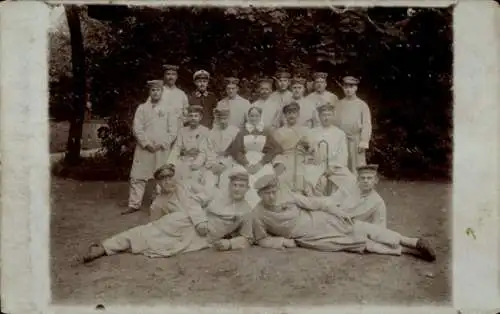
356, 158
380, 240
136, 194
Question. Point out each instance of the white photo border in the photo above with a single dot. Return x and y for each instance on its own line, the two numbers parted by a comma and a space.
25, 219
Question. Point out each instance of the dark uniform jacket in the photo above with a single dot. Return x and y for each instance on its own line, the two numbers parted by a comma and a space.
208, 102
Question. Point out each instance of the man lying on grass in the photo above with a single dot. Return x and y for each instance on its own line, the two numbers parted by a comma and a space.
190, 229
286, 219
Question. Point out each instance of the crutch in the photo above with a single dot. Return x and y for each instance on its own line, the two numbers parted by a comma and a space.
218, 180
328, 188
295, 164
327, 166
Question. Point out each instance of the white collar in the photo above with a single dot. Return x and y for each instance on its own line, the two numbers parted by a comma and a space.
166, 87
250, 128
236, 97
217, 127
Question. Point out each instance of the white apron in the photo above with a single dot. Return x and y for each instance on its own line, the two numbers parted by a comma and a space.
254, 144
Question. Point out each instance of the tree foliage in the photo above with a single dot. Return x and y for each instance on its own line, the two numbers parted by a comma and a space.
402, 55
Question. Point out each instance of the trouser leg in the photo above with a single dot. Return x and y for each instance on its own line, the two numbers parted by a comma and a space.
361, 158
379, 248
116, 244
378, 234
137, 189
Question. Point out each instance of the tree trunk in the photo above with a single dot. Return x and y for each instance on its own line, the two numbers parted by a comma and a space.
79, 85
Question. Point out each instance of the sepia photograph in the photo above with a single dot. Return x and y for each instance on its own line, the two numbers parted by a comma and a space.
250, 155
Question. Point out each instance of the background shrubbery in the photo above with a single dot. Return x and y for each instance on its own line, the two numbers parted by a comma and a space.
404, 58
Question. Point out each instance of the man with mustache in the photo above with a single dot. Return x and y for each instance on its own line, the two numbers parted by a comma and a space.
154, 139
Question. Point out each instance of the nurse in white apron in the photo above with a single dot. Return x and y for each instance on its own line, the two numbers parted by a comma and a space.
254, 148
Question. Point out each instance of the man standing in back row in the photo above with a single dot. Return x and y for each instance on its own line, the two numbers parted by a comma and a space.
320, 96
269, 106
174, 99
308, 116
154, 139
238, 106
282, 94
203, 98
352, 115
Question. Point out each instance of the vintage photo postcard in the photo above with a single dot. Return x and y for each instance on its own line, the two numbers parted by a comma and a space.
264, 157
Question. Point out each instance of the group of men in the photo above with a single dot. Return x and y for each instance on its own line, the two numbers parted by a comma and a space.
173, 125
207, 157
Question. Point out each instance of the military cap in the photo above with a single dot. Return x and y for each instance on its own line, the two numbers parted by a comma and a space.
222, 109
265, 182
231, 80
171, 67
239, 173
279, 160
256, 108
194, 108
320, 75
299, 80
367, 168
266, 80
350, 80
201, 74
155, 83
292, 106
164, 171
325, 107
282, 74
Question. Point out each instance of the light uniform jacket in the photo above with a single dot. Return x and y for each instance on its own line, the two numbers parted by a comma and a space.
193, 146
175, 233
354, 118
313, 222
322, 98
176, 101
308, 115
282, 98
370, 208
294, 156
336, 153
270, 109
221, 139
151, 126
238, 108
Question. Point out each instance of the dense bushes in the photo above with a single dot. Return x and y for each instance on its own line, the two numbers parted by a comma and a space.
403, 57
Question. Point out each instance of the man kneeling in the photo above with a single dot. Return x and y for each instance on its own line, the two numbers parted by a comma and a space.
316, 223
191, 229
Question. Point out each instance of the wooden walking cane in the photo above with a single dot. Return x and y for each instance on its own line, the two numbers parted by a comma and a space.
329, 186
296, 152
327, 152
218, 180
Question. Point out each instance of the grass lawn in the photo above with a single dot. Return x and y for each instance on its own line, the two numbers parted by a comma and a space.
83, 212
59, 135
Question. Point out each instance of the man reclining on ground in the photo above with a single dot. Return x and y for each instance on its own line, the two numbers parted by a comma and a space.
286, 219
189, 229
